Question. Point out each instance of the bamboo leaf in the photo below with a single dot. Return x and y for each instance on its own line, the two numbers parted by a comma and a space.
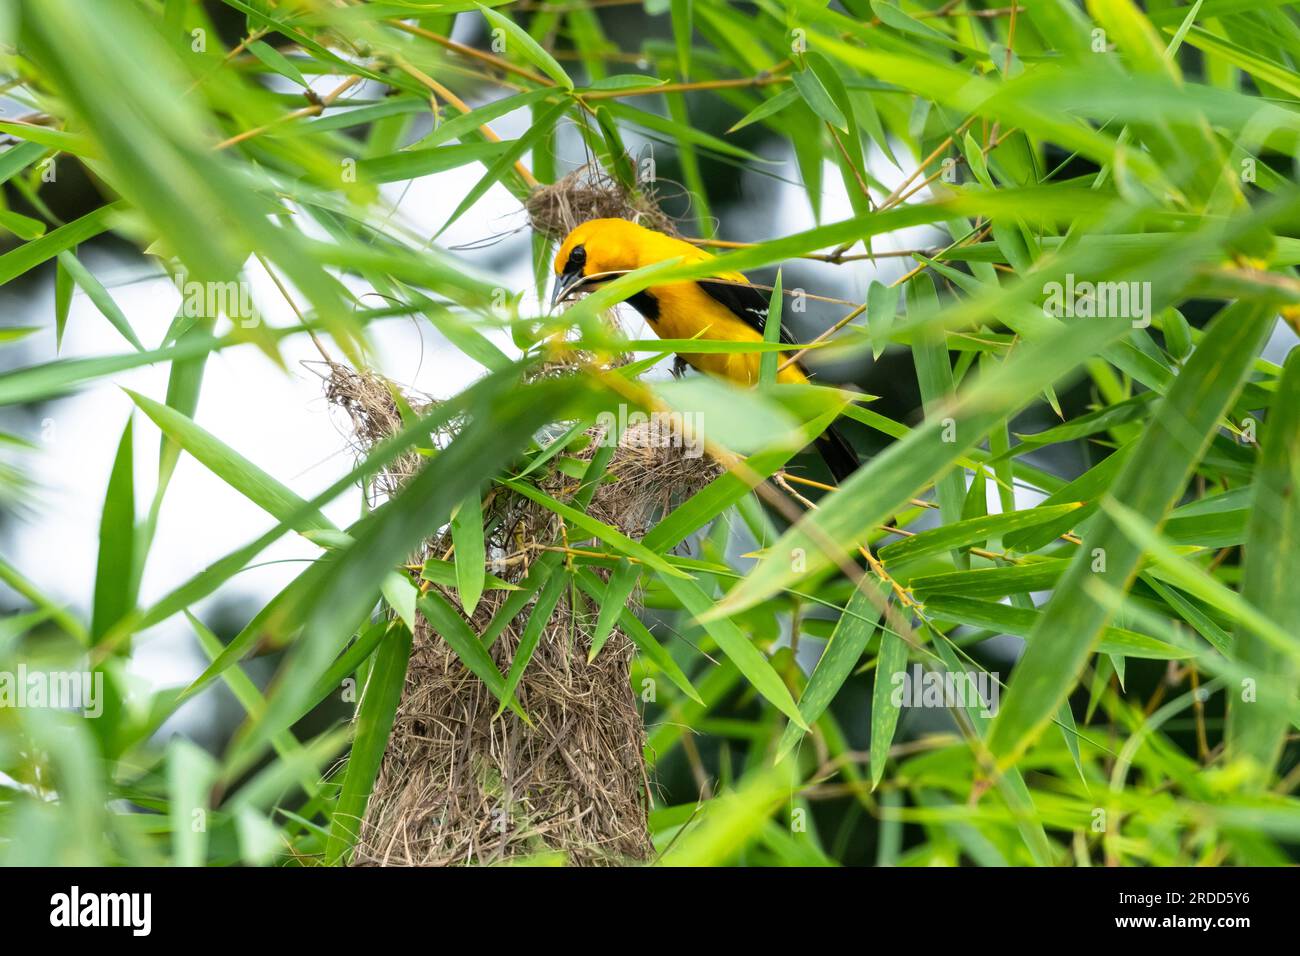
413, 163
840, 656
115, 572
771, 333
876, 490
1022, 622
1272, 568
645, 642
506, 160
961, 534
737, 646
884, 712
99, 295
375, 717
226, 463
470, 551
1150, 481
622, 582
524, 45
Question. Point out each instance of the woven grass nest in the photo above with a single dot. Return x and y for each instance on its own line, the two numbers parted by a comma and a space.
590, 193
458, 785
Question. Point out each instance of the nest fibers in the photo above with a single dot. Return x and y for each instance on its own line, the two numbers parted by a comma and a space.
588, 192
459, 785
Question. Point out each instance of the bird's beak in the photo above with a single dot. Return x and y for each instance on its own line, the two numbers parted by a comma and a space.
564, 284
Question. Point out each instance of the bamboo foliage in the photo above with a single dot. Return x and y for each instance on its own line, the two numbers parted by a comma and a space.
1078, 488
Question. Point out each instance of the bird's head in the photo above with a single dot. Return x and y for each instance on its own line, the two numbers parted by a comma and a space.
597, 250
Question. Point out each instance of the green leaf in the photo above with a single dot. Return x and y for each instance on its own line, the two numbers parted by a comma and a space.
680, 132
961, 534
469, 550
24, 227
276, 61
63, 287
50, 138
31, 254
1259, 67
538, 619
640, 635
444, 573
1022, 622
1151, 480
451, 627
737, 646
233, 468
627, 81
250, 698
840, 656
768, 107
884, 712
191, 773
767, 362
115, 573
518, 41
682, 18
622, 582
1038, 575
17, 158
460, 127
413, 163
818, 100
375, 716
1195, 580
99, 295
885, 484
935, 377
882, 305
730, 820
1271, 573
537, 132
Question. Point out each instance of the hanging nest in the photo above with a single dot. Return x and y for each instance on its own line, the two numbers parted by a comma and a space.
459, 785
370, 402
590, 193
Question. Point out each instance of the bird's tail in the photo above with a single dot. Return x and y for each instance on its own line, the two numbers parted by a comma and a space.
838, 454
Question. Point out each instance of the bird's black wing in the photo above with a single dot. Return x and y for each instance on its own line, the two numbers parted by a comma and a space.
748, 303
838, 454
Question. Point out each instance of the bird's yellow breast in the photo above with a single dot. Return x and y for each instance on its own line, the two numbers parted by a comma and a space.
688, 312
685, 311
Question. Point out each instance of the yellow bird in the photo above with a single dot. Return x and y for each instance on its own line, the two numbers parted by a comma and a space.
730, 310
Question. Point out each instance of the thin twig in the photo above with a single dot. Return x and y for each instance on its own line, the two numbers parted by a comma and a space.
440, 90
312, 109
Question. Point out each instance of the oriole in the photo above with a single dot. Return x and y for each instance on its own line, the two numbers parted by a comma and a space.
731, 310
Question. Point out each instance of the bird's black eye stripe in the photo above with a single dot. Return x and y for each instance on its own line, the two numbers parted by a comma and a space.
577, 259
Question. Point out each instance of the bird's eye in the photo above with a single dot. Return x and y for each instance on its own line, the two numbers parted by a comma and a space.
578, 257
